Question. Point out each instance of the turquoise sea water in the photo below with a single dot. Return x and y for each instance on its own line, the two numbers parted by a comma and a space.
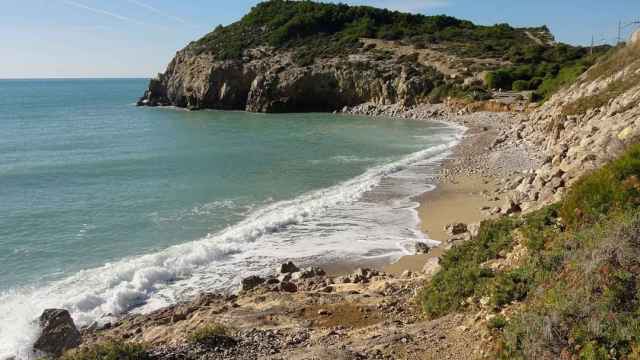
107, 207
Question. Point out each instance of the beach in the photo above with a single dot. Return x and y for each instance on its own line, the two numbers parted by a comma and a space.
369, 305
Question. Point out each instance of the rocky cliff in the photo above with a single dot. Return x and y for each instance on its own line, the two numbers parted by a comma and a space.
306, 56
267, 80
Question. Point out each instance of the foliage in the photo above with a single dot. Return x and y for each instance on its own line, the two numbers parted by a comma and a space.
322, 29
615, 186
580, 284
461, 275
109, 351
206, 333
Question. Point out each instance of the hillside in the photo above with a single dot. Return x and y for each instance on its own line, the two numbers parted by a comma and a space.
287, 56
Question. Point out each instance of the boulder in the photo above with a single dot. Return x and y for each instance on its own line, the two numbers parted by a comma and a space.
474, 229
455, 229
287, 268
307, 273
431, 267
251, 282
58, 332
288, 287
422, 248
510, 207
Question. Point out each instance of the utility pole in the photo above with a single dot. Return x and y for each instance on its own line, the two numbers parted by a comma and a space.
619, 32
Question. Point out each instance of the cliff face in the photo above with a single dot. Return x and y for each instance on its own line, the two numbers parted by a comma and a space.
267, 80
582, 127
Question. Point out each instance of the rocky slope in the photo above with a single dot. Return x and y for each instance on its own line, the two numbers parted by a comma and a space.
580, 128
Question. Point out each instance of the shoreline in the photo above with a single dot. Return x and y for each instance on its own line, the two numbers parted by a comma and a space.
465, 182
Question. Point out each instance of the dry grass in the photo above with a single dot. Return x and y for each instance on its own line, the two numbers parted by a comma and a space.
620, 59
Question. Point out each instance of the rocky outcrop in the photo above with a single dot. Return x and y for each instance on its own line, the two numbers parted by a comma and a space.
268, 80
574, 144
58, 333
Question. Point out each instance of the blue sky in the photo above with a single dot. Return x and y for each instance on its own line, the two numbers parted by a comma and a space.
137, 38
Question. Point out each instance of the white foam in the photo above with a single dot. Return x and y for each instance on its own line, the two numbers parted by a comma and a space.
370, 215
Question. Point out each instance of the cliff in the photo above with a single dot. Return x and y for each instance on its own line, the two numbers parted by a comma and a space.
303, 56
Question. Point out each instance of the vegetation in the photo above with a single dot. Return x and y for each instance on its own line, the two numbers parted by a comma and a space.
544, 69
617, 60
315, 30
109, 351
329, 29
208, 334
580, 284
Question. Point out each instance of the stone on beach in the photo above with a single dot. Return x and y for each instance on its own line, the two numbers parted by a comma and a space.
251, 282
422, 248
287, 268
58, 332
455, 229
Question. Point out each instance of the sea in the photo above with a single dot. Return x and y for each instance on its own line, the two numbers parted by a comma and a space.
108, 208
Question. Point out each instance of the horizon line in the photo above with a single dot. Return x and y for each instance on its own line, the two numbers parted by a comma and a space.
76, 78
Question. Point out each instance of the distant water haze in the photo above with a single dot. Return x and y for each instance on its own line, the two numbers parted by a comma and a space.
108, 208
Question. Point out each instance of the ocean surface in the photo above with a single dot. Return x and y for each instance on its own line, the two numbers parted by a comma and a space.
107, 208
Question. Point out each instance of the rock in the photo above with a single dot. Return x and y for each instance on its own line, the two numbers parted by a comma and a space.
324, 312
464, 237
431, 267
287, 268
251, 282
362, 275
406, 274
422, 248
284, 277
307, 273
510, 207
58, 332
266, 80
474, 229
288, 287
272, 281
455, 229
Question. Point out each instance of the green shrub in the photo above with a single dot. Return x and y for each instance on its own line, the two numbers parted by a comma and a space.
612, 187
206, 334
497, 322
109, 351
499, 79
510, 286
461, 275
521, 85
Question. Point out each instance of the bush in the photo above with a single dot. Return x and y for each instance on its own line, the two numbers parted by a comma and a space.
109, 351
208, 334
461, 275
615, 186
500, 79
497, 322
583, 298
521, 85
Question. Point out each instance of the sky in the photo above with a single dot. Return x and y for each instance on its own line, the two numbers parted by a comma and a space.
137, 38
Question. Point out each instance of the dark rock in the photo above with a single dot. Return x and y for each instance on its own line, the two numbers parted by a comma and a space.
287, 268
288, 287
422, 248
58, 332
455, 229
307, 273
251, 282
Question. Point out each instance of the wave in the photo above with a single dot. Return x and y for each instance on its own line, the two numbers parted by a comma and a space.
98, 295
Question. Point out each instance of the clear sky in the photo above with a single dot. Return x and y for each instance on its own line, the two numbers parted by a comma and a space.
137, 38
